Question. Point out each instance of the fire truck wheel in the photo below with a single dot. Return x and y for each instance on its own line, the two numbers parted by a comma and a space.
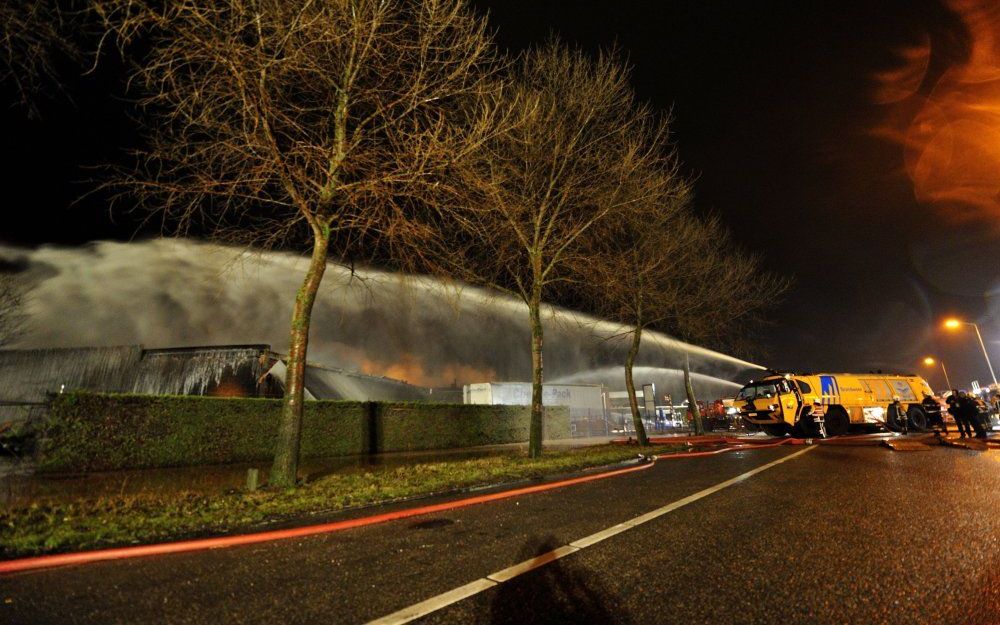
806, 428
893, 420
917, 418
777, 430
836, 421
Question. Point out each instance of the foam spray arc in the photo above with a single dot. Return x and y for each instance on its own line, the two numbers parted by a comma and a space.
172, 293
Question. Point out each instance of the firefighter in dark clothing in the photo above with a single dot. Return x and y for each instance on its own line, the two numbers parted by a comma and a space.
954, 409
969, 409
935, 417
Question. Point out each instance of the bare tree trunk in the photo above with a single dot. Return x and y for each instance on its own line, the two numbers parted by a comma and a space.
633, 351
284, 471
535, 427
692, 401
12, 318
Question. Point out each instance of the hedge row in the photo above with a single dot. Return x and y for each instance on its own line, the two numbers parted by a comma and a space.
98, 432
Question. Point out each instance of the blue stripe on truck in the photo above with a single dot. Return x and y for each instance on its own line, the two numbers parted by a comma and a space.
828, 388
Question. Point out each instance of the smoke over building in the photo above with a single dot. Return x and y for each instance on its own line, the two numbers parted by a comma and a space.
367, 325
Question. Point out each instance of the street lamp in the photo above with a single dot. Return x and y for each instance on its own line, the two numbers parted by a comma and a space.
954, 324
930, 363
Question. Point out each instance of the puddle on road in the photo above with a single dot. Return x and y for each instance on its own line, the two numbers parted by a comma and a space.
19, 485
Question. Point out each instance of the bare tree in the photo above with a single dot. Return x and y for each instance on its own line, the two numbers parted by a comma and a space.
563, 164
319, 122
34, 35
636, 265
660, 266
11, 312
726, 293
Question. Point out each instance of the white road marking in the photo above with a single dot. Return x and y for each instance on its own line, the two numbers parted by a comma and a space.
597, 537
511, 572
434, 604
455, 595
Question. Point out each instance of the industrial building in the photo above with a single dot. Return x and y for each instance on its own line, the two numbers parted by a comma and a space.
586, 402
29, 376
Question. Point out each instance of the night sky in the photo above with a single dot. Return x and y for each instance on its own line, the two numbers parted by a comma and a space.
829, 135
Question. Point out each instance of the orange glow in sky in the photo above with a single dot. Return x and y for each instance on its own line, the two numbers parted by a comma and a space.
949, 123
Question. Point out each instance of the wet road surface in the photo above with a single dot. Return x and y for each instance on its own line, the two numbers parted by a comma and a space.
836, 535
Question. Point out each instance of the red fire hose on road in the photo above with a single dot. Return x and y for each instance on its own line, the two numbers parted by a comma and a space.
85, 557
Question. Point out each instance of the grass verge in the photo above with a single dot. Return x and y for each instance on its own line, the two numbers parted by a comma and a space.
93, 523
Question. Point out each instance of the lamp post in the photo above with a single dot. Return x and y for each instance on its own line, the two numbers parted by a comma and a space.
930, 363
953, 324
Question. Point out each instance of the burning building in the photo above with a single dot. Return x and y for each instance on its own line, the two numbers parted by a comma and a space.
29, 376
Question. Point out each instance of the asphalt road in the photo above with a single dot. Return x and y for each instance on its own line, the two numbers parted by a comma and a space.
836, 535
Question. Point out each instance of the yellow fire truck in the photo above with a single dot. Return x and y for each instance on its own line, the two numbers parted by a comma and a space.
827, 404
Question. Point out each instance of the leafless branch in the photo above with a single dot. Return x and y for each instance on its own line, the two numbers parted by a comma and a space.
34, 35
